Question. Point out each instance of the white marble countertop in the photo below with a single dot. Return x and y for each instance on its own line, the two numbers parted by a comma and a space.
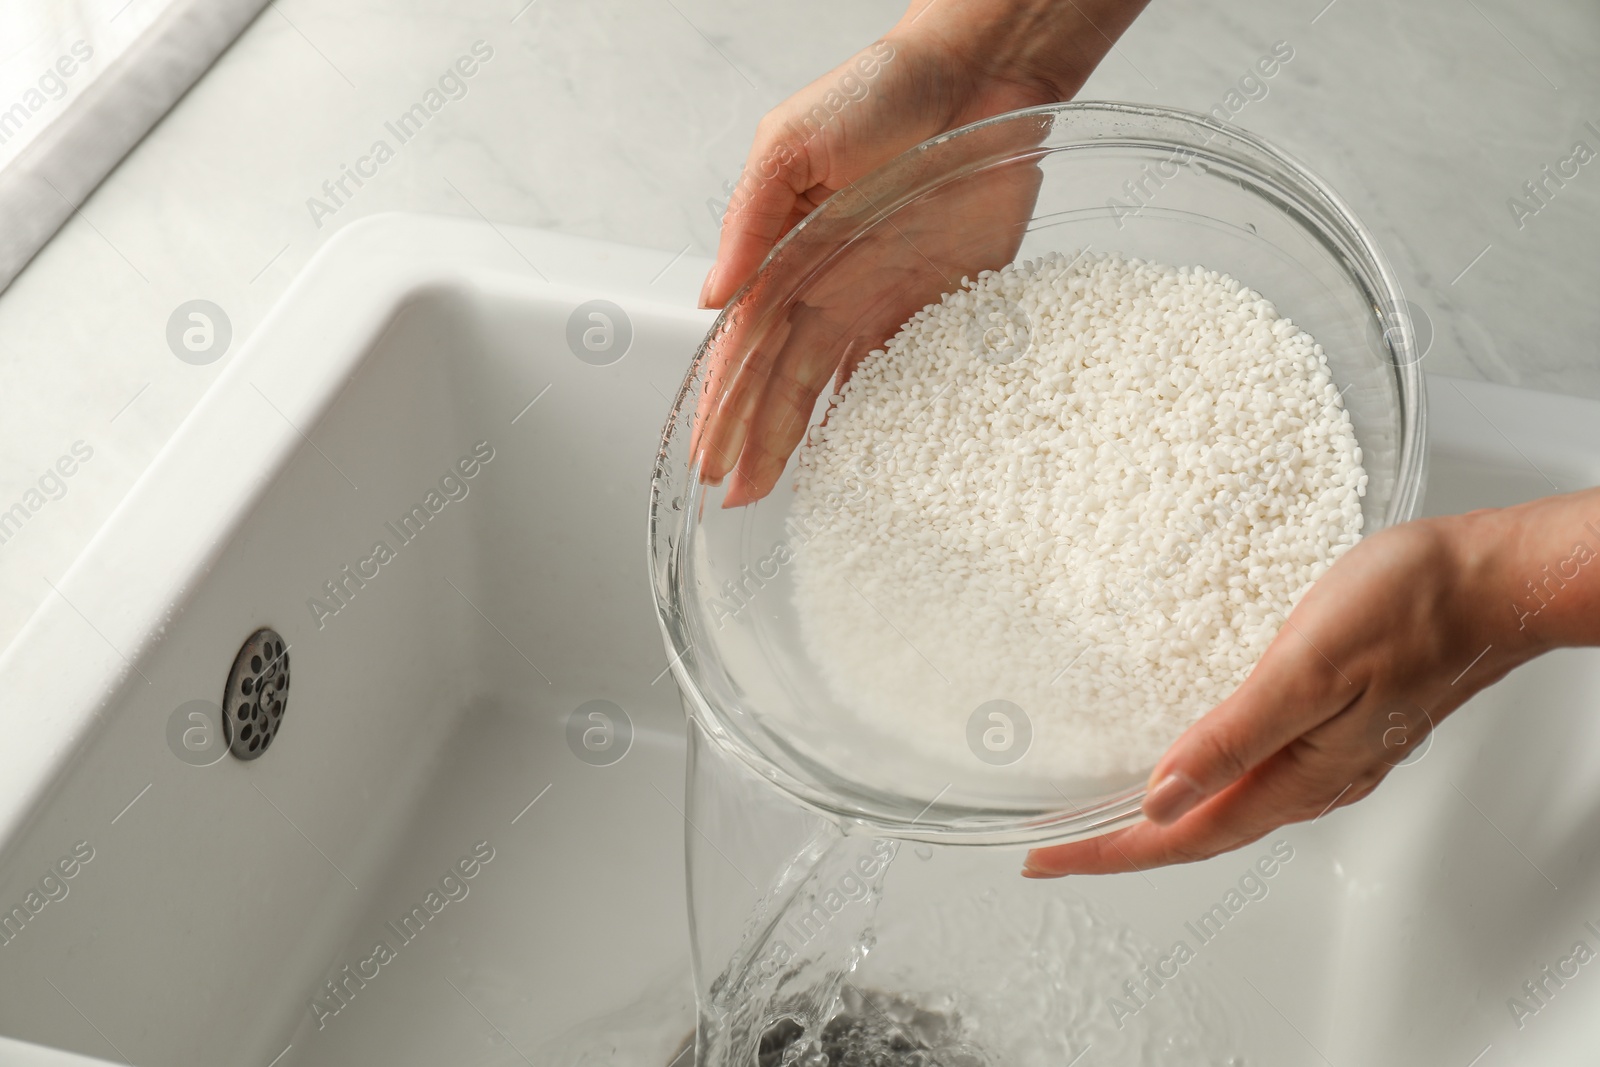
621, 118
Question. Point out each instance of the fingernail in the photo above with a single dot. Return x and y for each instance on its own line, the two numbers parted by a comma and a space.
705, 289
702, 473
739, 491
1030, 871
1172, 798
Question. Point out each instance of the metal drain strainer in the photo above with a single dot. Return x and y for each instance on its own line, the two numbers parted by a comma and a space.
257, 693
872, 1029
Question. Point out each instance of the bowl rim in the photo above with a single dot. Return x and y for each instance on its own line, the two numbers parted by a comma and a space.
1016, 827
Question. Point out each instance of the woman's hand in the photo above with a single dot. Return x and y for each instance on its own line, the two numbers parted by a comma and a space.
1399, 633
945, 64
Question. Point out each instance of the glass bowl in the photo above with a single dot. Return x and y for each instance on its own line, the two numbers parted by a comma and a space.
1163, 185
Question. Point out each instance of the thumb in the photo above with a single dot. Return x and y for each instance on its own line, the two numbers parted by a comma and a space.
765, 205
855, 118
1292, 690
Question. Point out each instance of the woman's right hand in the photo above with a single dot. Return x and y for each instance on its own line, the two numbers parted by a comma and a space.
945, 64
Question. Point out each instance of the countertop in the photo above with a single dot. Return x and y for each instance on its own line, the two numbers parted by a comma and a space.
622, 119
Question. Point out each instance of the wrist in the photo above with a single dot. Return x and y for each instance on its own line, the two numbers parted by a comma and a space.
1051, 46
1532, 573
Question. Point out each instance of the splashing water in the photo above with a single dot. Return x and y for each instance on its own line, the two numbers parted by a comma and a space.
839, 956
813, 947
1029, 971
788, 977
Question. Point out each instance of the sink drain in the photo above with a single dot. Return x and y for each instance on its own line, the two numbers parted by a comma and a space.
872, 1029
257, 693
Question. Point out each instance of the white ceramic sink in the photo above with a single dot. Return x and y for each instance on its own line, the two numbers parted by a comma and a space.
427, 723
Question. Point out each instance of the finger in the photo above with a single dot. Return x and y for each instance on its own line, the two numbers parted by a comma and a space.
820, 344
715, 371
716, 367
1298, 783
1292, 690
737, 357
736, 380
778, 422
766, 203
1140, 848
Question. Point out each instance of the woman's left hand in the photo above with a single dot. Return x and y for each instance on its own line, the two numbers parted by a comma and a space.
1400, 632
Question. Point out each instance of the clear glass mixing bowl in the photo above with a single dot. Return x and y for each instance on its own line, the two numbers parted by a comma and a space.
1163, 185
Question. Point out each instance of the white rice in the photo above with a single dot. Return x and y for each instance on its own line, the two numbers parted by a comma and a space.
1106, 531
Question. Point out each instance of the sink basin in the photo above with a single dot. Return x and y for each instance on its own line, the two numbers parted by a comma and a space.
440, 720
